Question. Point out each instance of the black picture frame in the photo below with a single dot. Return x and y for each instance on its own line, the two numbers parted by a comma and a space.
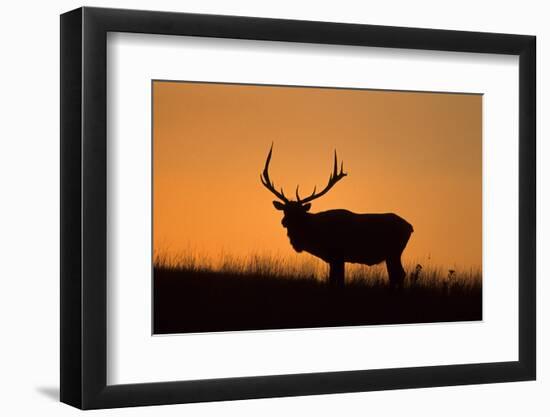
84, 207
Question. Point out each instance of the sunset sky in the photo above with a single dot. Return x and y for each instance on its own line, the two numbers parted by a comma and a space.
415, 154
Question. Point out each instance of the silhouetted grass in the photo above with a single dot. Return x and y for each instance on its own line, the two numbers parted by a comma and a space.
265, 292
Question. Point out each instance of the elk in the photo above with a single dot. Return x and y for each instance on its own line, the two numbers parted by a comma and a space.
339, 236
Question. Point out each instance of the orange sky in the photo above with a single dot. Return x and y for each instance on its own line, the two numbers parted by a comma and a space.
414, 154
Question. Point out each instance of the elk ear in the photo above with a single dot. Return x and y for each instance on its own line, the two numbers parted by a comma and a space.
306, 207
278, 205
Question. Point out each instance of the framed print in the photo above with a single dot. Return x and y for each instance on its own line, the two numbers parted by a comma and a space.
258, 207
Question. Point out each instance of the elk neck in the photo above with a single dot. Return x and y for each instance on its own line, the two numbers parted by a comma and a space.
298, 227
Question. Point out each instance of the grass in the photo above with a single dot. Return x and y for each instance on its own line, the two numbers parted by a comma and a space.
192, 294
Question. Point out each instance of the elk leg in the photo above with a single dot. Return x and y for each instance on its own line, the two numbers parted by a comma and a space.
396, 273
336, 275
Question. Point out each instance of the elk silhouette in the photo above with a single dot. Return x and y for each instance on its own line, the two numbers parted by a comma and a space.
340, 236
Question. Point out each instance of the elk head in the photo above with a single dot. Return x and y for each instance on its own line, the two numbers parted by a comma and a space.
295, 211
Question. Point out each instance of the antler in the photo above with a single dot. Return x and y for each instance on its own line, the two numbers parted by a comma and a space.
335, 176
270, 185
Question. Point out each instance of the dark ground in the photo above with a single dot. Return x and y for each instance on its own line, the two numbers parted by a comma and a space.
205, 301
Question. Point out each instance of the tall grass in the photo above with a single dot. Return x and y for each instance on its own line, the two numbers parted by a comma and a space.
305, 267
